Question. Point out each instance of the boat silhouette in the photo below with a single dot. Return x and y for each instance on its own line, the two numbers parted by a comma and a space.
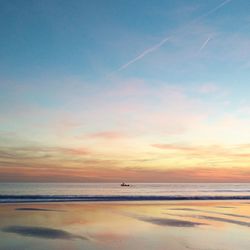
123, 184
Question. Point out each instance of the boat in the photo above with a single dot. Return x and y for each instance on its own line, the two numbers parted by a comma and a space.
124, 184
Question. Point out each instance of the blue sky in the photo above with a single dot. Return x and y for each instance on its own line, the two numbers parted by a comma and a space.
122, 82
95, 38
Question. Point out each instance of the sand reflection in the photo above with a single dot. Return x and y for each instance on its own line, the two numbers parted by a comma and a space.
42, 232
37, 209
126, 226
167, 221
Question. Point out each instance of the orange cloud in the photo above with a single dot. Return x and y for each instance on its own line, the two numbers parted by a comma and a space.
39, 153
173, 147
233, 151
112, 174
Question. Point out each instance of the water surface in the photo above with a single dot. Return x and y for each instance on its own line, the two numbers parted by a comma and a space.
13, 192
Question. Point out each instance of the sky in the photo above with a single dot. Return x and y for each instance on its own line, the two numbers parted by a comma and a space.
136, 91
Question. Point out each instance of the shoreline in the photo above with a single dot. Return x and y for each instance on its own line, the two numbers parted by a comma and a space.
80, 198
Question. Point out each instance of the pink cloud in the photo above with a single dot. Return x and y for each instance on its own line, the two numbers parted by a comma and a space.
109, 135
75, 151
107, 174
208, 88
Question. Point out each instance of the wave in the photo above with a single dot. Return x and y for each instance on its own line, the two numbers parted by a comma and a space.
84, 198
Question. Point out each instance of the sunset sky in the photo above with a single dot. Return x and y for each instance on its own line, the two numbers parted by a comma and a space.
122, 90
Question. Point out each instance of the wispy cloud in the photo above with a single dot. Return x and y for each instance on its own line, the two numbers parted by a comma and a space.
108, 135
39, 152
233, 152
208, 88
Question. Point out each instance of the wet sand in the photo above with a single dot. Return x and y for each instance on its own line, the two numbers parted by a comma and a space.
171, 225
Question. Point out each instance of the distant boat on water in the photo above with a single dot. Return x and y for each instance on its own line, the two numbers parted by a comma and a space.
124, 184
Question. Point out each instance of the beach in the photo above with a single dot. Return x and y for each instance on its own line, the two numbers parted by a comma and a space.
152, 225
124, 125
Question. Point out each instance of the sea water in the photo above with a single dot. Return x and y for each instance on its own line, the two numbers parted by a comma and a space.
114, 191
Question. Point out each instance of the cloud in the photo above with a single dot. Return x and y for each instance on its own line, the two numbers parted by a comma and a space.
174, 147
39, 152
230, 152
74, 151
108, 135
106, 172
208, 88
160, 114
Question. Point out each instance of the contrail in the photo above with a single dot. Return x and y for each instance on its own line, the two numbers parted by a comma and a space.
163, 41
205, 44
144, 53
214, 9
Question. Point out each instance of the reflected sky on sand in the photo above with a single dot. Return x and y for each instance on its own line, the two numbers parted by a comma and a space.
127, 225
221, 219
41, 232
164, 221
211, 212
37, 209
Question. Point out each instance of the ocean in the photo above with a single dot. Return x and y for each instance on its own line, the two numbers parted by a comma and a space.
54, 192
